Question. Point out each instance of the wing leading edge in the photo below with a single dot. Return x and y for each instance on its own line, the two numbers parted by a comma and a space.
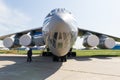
22, 32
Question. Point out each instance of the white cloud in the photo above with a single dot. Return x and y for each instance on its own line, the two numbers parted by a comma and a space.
11, 19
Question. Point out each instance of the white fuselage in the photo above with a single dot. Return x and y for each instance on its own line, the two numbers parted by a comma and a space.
59, 31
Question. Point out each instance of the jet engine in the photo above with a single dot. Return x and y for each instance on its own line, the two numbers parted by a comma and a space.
90, 40
31, 40
106, 42
10, 42
26, 40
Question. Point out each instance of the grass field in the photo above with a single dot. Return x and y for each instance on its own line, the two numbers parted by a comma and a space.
90, 53
93, 53
19, 51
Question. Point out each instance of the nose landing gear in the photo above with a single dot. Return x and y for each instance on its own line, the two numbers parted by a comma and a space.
59, 58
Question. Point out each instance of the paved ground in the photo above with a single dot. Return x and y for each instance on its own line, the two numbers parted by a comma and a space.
15, 67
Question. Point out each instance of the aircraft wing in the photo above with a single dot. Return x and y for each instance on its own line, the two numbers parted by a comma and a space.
81, 32
22, 32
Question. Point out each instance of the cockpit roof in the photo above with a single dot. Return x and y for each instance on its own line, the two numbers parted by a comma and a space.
57, 10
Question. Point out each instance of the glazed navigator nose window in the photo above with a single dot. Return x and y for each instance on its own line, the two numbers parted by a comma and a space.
60, 45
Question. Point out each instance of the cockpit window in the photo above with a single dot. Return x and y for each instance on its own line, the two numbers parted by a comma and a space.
56, 11
58, 39
50, 14
55, 35
64, 35
60, 35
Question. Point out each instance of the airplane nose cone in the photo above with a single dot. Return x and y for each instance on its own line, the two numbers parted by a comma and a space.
62, 23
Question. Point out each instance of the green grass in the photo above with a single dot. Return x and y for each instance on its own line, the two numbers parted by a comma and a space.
89, 53
8, 51
92, 53
34, 51
19, 51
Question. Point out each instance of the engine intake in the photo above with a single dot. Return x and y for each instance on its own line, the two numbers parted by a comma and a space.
11, 42
26, 40
8, 42
106, 42
90, 40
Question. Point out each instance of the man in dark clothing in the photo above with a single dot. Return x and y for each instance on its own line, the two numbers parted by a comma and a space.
29, 55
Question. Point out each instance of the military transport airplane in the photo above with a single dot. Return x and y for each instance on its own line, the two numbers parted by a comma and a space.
58, 33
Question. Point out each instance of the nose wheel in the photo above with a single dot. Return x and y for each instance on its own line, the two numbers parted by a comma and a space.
71, 54
60, 59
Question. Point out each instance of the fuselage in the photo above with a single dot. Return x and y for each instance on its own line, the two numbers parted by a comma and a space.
59, 31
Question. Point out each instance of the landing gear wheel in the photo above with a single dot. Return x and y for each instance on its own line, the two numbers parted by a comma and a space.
55, 58
71, 54
61, 59
46, 54
48, 49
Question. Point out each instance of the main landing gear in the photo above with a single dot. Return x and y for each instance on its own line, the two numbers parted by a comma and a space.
60, 59
71, 54
63, 58
48, 53
55, 58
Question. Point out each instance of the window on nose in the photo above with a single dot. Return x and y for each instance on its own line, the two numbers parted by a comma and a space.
55, 35
60, 35
60, 45
60, 39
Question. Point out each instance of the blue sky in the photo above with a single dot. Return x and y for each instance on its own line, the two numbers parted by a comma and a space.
97, 15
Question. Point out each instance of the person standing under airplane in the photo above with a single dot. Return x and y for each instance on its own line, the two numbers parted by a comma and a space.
29, 55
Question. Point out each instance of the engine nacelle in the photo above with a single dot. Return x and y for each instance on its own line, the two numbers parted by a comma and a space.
90, 40
26, 40
8, 42
106, 42
11, 42
39, 40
